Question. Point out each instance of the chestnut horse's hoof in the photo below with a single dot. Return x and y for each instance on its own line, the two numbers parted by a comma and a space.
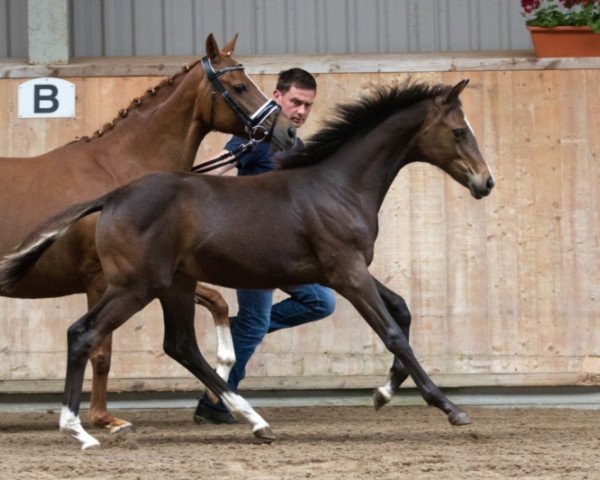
459, 418
106, 421
379, 399
265, 435
122, 428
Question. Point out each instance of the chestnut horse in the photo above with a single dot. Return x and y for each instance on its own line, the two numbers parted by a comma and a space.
317, 222
161, 130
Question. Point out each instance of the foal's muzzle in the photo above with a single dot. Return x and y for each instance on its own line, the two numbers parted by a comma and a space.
480, 189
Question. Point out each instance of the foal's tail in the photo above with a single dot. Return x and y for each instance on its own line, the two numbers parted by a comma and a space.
15, 265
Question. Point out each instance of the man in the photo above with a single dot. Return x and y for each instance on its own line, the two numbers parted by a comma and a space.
295, 92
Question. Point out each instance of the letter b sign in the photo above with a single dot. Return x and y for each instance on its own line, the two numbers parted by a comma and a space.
46, 97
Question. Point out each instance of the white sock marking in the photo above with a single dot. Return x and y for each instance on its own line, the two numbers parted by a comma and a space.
386, 391
241, 409
70, 424
225, 352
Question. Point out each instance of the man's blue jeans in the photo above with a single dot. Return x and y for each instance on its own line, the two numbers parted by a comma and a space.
257, 316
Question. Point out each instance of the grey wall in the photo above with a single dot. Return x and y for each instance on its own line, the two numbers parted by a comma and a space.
13, 28
178, 27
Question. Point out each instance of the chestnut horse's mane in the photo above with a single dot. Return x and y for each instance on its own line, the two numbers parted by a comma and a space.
136, 103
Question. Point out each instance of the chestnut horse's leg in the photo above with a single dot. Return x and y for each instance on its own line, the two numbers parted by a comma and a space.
215, 303
399, 311
365, 297
181, 345
100, 360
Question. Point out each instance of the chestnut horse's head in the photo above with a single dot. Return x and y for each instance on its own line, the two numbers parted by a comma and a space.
236, 104
447, 141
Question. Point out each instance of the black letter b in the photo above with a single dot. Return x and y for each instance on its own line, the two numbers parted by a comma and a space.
39, 97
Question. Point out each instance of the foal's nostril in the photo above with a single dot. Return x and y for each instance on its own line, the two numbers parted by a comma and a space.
292, 132
490, 183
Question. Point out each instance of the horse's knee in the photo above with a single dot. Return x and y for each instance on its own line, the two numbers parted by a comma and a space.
79, 347
100, 357
404, 315
219, 305
180, 349
171, 349
400, 311
100, 363
396, 342
212, 300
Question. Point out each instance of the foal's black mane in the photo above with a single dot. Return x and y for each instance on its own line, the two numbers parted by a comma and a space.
351, 119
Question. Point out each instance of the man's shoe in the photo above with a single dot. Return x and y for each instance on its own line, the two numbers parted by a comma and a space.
206, 414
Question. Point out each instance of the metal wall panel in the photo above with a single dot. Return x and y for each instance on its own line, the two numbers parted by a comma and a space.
119, 30
4, 28
13, 28
149, 35
178, 27
87, 19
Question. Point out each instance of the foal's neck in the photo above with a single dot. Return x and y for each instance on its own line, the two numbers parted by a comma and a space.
372, 162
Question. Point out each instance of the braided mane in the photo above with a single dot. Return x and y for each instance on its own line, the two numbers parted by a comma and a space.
137, 103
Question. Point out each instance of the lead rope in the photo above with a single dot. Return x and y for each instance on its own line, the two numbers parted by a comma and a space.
225, 159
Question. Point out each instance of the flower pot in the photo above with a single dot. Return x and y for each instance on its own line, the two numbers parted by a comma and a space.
565, 42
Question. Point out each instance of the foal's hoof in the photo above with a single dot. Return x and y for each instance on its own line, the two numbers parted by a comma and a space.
90, 444
459, 418
379, 399
265, 435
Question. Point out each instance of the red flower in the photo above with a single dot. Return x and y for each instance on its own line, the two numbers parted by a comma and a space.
573, 3
530, 5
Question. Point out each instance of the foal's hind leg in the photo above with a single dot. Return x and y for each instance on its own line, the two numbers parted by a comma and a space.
180, 344
399, 311
100, 360
214, 302
114, 308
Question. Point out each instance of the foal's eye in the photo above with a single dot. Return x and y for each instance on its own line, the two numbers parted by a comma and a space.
459, 133
240, 88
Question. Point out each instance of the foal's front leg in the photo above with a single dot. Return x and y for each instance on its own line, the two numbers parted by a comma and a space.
363, 294
399, 311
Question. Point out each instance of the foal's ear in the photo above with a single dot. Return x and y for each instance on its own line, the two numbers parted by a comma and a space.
230, 46
455, 91
212, 49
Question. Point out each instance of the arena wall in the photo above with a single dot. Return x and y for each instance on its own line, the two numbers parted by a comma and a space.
503, 291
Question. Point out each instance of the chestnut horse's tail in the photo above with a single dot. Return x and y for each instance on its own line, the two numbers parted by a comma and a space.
15, 265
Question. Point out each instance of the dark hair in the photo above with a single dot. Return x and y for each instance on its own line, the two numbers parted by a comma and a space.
295, 77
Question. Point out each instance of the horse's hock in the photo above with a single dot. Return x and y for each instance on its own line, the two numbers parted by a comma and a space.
502, 292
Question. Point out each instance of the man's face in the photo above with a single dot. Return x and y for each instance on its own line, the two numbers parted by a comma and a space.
295, 104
